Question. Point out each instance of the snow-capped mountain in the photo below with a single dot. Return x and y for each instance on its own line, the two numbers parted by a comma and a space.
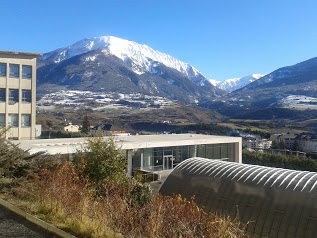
112, 64
233, 84
300, 73
141, 58
291, 87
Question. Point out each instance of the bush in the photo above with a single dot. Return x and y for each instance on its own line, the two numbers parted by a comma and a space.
102, 159
14, 162
62, 189
124, 210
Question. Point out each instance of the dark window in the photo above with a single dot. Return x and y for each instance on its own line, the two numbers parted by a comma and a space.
26, 120
14, 70
2, 120
13, 120
13, 96
26, 96
2, 94
26, 71
3, 69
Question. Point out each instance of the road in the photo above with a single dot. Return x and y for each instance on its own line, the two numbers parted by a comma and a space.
14, 226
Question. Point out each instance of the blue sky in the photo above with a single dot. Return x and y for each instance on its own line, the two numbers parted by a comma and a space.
223, 39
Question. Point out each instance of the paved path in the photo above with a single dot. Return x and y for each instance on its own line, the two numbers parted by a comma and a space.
13, 226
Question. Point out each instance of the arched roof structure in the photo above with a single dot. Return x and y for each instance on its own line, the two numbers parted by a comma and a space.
274, 202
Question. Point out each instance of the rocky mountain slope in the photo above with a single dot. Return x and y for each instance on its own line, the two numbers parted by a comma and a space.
298, 79
303, 72
111, 64
290, 88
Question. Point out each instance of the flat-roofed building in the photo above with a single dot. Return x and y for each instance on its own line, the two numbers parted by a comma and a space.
18, 94
152, 152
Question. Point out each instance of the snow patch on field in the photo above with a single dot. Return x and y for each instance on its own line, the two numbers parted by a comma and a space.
100, 100
299, 102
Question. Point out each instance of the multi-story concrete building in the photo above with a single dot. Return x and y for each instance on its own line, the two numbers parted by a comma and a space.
249, 144
18, 94
256, 144
285, 139
307, 143
264, 143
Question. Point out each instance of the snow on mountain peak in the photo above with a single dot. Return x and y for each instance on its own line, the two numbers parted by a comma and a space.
214, 82
256, 76
142, 56
233, 84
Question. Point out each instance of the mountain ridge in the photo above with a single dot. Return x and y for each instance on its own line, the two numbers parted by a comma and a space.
141, 58
111, 63
98, 64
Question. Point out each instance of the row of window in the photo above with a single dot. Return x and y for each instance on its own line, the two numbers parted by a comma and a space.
14, 71
13, 120
14, 95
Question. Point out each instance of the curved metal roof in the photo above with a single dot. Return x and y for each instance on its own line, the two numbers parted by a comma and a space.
274, 202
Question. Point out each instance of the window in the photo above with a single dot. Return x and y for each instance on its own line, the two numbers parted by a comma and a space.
26, 120
2, 94
13, 96
2, 120
14, 71
26, 96
26, 71
3, 69
13, 120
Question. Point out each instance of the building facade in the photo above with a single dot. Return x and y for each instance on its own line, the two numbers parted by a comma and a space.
305, 143
18, 94
151, 153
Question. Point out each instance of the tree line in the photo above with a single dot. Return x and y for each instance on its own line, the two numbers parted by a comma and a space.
280, 161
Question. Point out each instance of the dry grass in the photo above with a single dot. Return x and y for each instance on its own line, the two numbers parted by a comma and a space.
66, 199
241, 127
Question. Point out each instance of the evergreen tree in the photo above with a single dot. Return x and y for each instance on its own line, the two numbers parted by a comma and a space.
103, 159
86, 125
281, 145
274, 145
296, 146
14, 162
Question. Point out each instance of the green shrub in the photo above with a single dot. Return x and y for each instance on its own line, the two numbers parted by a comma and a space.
103, 159
14, 162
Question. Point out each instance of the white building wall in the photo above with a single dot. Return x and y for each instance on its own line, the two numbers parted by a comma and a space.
309, 146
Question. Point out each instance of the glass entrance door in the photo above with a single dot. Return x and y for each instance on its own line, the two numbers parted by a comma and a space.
168, 160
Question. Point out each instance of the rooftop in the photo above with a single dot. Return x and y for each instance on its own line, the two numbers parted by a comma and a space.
23, 54
71, 145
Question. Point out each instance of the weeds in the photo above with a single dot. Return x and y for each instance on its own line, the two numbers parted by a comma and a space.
118, 211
